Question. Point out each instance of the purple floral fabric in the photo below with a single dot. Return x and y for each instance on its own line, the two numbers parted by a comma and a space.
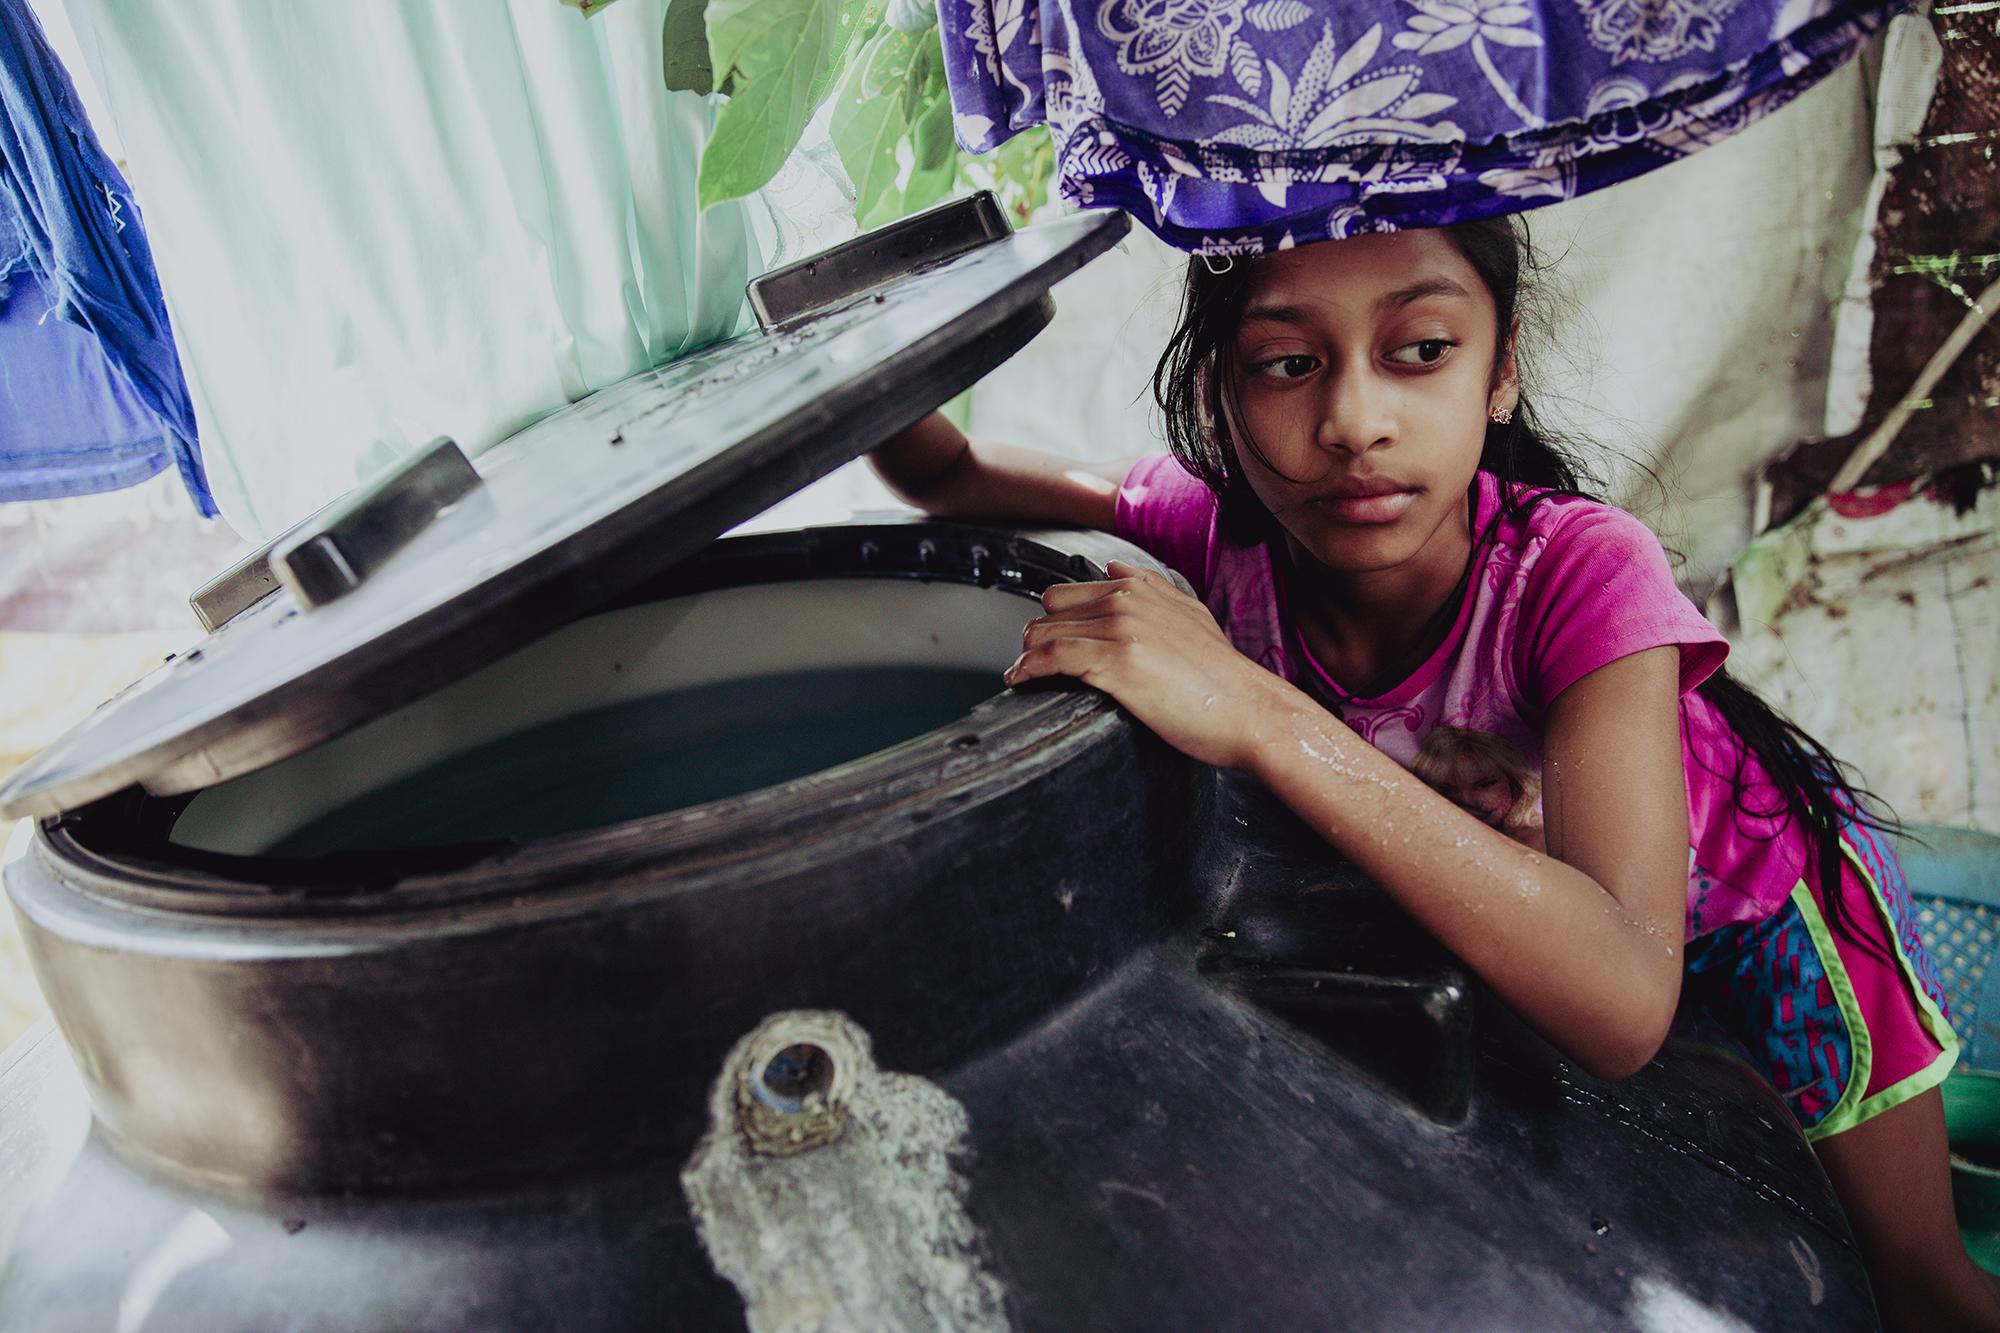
1235, 128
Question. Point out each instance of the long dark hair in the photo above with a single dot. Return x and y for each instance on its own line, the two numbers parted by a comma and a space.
1195, 380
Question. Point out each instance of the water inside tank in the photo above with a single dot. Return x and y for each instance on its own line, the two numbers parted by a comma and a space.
634, 712
648, 756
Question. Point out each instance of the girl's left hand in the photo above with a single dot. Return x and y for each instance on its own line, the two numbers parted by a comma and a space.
1158, 652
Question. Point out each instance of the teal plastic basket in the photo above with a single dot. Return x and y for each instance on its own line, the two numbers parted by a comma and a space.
1954, 878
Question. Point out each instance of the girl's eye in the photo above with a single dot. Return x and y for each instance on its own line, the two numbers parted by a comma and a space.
1426, 352
1296, 366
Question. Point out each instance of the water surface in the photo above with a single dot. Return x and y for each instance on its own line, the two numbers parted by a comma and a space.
648, 756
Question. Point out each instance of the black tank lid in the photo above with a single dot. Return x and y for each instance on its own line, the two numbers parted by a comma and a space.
439, 567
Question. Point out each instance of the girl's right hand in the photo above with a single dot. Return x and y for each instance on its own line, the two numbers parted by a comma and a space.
1158, 652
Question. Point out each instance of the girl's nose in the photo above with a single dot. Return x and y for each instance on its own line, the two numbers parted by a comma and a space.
1356, 415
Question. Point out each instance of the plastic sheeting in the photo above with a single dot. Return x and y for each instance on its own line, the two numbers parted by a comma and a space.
385, 222
1871, 615
1873, 624
1911, 55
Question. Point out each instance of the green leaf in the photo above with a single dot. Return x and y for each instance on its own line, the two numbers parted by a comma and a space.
935, 164
1019, 171
891, 63
773, 50
868, 120
936, 149
857, 23
684, 47
929, 65
926, 188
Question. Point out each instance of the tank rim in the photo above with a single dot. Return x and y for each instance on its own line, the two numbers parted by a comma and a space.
115, 852
877, 797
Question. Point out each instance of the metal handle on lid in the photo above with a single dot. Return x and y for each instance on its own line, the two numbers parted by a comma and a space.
235, 590
336, 551
333, 552
789, 295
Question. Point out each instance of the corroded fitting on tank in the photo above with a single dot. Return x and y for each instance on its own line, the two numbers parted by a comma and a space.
794, 1077
831, 1193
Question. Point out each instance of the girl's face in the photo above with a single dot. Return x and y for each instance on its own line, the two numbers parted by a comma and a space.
1365, 372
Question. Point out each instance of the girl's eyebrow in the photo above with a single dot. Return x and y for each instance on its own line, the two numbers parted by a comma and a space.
1418, 290
1277, 314
1402, 296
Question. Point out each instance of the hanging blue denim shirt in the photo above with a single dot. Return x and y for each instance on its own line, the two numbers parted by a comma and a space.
91, 392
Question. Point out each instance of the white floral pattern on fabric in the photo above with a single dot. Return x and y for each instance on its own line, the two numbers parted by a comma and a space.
1440, 25
976, 38
1215, 121
1335, 101
1173, 40
1654, 30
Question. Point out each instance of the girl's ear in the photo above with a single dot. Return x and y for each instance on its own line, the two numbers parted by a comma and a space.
1506, 395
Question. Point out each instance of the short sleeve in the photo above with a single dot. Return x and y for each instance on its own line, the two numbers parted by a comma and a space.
1170, 515
1601, 590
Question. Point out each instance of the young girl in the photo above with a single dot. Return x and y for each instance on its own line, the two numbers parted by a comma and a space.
1381, 546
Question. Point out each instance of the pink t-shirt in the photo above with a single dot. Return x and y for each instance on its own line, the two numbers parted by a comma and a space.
1553, 596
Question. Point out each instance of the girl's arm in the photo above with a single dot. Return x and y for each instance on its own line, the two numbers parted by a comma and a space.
933, 466
1584, 942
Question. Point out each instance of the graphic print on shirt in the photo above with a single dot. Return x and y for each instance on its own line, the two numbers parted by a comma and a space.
1370, 726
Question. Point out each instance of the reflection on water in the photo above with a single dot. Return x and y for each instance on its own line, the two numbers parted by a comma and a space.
649, 756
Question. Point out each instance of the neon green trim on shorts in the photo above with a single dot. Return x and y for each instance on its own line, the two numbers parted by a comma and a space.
1843, 1116
1846, 1112
1916, 1085
1934, 1021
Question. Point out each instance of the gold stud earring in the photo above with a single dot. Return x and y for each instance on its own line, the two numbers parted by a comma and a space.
1500, 416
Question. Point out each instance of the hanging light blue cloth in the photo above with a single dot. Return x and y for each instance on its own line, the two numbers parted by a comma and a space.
1235, 128
69, 423
91, 393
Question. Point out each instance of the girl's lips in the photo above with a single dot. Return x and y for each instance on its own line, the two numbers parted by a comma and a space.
1383, 508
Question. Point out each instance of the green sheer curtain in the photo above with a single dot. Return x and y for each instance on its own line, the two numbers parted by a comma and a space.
377, 223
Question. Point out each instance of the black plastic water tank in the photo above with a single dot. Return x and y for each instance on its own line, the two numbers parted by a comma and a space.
463, 974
